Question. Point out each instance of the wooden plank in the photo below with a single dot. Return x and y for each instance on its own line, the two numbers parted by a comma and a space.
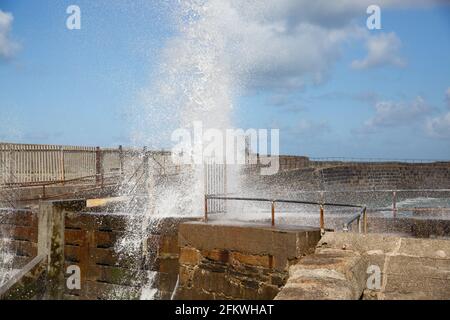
19, 232
75, 237
106, 239
95, 221
110, 222
90, 203
18, 218
108, 257
28, 283
78, 221
116, 275
22, 248
73, 254
93, 290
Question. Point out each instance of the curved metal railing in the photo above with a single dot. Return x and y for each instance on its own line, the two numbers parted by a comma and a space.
274, 201
357, 217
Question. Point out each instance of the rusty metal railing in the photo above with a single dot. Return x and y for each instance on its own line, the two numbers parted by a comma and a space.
393, 193
274, 201
357, 217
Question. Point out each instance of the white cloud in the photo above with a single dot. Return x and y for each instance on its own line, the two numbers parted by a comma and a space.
382, 50
439, 127
395, 114
447, 97
283, 45
7, 46
311, 128
287, 44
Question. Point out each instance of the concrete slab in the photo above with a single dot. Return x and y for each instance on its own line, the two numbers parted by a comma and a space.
288, 241
231, 260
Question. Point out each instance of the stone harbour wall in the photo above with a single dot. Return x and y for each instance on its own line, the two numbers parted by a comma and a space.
246, 261
336, 179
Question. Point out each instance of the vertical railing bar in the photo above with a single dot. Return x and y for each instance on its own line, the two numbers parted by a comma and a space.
273, 213
206, 209
365, 220
322, 220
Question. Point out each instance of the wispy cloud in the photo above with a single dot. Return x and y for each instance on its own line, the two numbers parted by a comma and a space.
390, 114
363, 96
439, 127
382, 50
290, 44
285, 103
447, 97
7, 46
309, 128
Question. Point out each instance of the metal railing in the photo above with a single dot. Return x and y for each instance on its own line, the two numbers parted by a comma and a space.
374, 160
274, 201
393, 193
357, 217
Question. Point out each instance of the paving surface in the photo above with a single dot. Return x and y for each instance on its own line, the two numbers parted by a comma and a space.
372, 266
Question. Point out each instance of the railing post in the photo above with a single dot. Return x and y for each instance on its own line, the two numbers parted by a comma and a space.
10, 164
273, 213
206, 208
322, 221
358, 221
61, 164
145, 164
121, 159
345, 228
98, 166
394, 203
365, 219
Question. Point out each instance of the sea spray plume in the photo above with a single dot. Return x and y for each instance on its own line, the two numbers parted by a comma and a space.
196, 83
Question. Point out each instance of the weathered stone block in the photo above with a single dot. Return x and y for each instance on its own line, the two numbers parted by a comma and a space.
190, 256
281, 242
268, 292
168, 245
327, 274
186, 276
265, 261
239, 261
358, 242
220, 255
169, 265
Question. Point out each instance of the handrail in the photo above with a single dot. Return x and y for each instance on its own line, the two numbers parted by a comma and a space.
357, 217
284, 201
372, 160
49, 183
273, 201
373, 190
36, 262
393, 192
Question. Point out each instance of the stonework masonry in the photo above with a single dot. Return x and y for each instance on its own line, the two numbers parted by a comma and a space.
408, 269
245, 261
302, 174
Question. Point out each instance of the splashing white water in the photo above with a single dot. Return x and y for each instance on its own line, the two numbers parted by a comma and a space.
6, 261
197, 80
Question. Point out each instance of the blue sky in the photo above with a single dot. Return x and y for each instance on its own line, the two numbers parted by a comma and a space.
341, 90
